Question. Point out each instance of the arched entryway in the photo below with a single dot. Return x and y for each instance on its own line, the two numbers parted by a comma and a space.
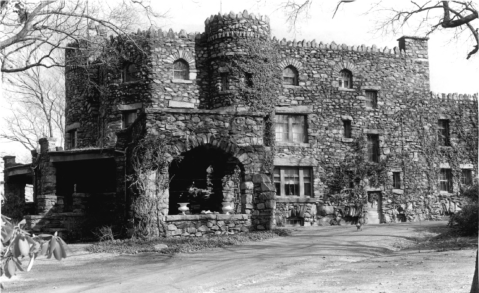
205, 177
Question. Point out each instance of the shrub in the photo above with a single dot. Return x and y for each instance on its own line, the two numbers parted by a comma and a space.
467, 219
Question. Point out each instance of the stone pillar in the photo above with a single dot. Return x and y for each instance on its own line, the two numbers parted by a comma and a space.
48, 201
264, 202
14, 191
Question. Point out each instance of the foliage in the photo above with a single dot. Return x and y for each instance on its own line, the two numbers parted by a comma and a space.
16, 244
356, 170
184, 244
149, 181
467, 219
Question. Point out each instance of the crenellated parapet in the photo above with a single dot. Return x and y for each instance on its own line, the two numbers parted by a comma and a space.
455, 97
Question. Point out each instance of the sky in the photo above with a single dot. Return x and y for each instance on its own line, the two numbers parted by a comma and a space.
450, 72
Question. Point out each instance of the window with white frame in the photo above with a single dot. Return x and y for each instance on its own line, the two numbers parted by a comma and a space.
293, 181
291, 128
345, 79
181, 70
128, 117
397, 180
445, 180
466, 176
372, 99
290, 76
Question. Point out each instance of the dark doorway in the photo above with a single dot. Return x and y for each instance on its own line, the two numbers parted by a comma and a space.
204, 170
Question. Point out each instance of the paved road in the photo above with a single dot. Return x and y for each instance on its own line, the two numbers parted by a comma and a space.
314, 259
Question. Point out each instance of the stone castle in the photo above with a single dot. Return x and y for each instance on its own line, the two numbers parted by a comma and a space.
357, 134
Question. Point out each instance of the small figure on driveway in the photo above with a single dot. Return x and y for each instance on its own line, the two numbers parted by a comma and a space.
359, 224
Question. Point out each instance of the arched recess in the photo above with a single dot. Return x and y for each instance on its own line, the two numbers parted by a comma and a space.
205, 177
185, 55
291, 62
344, 64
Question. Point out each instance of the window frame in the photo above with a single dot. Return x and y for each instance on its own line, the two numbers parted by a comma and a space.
445, 180
302, 189
293, 77
346, 76
373, 147
124, 118
73, 138
466, 177
443, 132
397, 180
184, 73
371, 99
347, 129
290, 127
224, 81
127, 76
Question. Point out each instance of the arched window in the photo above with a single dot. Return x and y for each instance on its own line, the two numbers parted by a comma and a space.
290, 76
181, 70
346, 79
130, 72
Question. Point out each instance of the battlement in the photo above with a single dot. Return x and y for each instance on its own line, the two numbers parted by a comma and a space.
455, 97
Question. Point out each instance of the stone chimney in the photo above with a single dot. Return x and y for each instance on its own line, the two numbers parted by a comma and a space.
47, 144
9, 161
414, 46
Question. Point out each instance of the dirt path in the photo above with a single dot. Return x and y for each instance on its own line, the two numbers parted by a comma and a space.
314, 259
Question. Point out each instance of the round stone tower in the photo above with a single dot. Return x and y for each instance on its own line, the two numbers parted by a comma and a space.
228, 35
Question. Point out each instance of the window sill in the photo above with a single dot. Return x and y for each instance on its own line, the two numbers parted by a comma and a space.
294, 144
446, 193
288, 86
226, 92
370, 108
346, 89
398, 191
181, 81
346, 139
296, 198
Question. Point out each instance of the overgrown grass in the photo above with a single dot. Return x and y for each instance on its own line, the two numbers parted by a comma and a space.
448, 239
183, 244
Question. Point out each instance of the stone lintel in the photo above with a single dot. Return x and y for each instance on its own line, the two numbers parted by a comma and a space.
371, 87
72, 126
444, 166
296, 199
294, 161
294, 109
373, 131
56, 157
130, 107
444, 117
345, 139
19, 170
178, 104
205, 112
346, 117
466, 166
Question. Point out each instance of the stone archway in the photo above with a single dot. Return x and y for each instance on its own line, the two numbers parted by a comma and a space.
205, 177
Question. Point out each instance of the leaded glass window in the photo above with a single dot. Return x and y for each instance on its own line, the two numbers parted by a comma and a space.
290, 76
181, 70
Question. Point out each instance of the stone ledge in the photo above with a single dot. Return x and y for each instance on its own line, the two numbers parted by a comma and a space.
237, 112
175, 218
179, 104
294, 109
289, 86
346, 90
294, 161
293, 144
296, 199
346, 139
181, 81
72, 126
130, 107
398, 191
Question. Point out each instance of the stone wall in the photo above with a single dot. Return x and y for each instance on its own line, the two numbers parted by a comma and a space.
199, 225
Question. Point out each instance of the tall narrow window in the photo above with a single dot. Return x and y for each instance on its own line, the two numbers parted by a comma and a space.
290, 76
128, 117
443, 132
372, 99
347, 128
346, 79
72, 138
293, 181
445, 180
373, 147
397, 180
248, 79
290, 128
181, 70
130, 73
224, 81
466, 177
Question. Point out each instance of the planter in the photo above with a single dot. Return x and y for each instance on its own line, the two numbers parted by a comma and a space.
227, 208
183, 207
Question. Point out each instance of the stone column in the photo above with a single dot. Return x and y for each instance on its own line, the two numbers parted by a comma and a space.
14, 191
48, 201
264, 202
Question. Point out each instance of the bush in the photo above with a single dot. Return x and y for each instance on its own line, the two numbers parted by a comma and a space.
467, 219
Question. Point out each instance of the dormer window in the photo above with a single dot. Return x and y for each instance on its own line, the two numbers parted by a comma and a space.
346, 79
130, 73
181, 70
290, 76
